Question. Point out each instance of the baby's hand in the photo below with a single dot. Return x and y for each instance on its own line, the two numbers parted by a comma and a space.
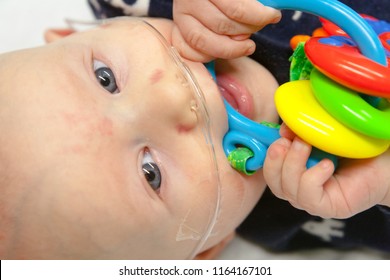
355, 186
207, 29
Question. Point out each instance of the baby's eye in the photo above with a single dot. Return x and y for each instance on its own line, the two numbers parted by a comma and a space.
151, 171
105, 77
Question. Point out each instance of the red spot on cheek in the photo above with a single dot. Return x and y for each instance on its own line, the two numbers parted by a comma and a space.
156, 76
183, 128
105, 127
86, 128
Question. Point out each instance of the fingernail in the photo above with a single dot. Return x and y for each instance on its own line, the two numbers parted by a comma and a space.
251, 49
272, 153
325, 164
276, 19
298, 144
285, 142
272, 11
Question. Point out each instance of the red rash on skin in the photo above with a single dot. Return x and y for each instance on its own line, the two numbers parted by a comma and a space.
183, 129
156, 76
104, 126
87, 126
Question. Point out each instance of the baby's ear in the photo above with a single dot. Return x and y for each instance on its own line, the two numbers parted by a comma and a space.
52, 35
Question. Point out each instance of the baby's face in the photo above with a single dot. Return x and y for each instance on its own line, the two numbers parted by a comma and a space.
103, 153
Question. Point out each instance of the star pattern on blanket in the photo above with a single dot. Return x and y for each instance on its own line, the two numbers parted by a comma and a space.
132, 7
325, 229
109, 8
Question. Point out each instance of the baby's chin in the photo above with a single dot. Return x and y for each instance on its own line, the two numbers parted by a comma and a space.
239, 195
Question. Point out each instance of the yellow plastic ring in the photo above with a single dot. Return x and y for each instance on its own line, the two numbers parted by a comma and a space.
300, 110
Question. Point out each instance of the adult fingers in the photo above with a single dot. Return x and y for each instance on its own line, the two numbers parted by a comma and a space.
249, 12
215, 20
198, 43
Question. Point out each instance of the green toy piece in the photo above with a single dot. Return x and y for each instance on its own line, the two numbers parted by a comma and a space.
300, 67
238, 158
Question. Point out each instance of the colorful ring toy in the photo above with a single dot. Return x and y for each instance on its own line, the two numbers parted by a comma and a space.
344, 17
348, 107
300, 110
333, 29
380, 27
243, 132
344, 64
385, 39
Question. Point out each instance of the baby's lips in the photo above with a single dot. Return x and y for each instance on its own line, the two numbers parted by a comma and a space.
236, 95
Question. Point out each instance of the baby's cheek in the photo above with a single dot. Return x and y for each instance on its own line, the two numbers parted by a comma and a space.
233, 185
240, 193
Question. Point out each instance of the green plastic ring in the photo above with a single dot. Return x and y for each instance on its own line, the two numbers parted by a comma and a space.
349, 108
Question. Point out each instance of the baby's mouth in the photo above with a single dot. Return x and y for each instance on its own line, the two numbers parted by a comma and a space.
236, 94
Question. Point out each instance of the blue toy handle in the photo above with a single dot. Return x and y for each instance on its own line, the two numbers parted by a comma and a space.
258, 137
343, 16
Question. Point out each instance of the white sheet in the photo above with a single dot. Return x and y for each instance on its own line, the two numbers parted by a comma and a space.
22, 24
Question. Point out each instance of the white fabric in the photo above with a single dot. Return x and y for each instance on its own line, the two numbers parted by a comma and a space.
23, 22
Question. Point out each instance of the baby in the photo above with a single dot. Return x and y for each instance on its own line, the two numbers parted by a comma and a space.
111, 147
356, 193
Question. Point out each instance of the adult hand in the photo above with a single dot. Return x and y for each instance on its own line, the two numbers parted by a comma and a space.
207, 29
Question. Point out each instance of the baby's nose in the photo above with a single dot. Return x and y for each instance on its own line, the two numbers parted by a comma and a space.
177, 106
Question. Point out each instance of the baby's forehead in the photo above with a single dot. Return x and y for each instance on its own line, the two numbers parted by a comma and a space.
120, 23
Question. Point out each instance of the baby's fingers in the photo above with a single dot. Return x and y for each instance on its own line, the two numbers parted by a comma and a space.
312, 195
284, 167
286, 174
273, 165
293, 168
